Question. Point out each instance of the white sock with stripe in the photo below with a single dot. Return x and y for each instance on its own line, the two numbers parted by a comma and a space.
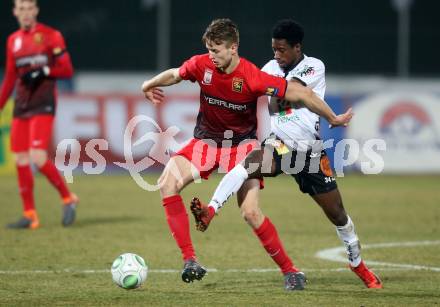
348, 236
229, 185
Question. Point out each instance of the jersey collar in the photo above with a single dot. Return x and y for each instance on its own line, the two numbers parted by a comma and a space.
291, 67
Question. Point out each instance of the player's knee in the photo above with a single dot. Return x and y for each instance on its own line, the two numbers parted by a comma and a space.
167, 184
339, 218
251, 215
38, 157
22, 159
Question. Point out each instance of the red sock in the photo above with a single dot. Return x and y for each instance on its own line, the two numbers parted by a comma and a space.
26, 186
178, 222
272, 244
50, 171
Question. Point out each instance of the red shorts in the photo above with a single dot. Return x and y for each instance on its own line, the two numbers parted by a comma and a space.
208, 157
34, 132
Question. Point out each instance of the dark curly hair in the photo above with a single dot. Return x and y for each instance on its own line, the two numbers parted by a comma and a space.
289, 30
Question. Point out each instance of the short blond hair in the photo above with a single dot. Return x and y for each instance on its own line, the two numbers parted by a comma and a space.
222, 30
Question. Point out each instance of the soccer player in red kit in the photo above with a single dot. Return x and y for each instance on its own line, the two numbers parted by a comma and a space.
35, 57
229, 88
294, 142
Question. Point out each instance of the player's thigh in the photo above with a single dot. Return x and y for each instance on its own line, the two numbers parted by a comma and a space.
38, 156
177, 174
274, 156
331, 204
202, 154
230, 157
20, 136
40, 131
249, 192
329, 199
261, 163
314, 182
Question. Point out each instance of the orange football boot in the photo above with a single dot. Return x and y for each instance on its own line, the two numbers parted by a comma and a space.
28, 220
370, 279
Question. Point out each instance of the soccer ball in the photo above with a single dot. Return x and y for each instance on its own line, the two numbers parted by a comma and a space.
129, 271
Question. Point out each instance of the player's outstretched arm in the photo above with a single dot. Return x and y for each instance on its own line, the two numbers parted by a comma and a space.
298, 93
165, 78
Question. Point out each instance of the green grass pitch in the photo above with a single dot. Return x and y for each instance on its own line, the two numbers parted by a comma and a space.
57, 266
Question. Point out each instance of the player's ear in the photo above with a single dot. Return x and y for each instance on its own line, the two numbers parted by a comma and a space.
37, 9
234, 47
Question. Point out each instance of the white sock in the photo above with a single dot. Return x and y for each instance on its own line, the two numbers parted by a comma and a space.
229, 185
348, 236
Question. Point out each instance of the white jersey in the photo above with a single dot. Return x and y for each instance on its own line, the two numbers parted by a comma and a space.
294, 125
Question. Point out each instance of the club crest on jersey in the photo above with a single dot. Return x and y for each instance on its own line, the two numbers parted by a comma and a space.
237, 85
18, 42
38, 38
271, 91
207, 77
307, 71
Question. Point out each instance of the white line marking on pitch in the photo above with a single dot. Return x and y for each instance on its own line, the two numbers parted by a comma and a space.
166, 271
337, 254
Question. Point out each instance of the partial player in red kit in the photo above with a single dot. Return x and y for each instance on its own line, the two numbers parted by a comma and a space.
225, 132
35, 57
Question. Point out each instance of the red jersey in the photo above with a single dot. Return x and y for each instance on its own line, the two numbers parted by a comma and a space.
28, 50
229, 101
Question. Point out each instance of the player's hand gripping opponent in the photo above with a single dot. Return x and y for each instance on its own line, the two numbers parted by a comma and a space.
342, 119
155, 95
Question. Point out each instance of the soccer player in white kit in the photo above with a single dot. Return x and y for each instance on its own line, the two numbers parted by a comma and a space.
294, 148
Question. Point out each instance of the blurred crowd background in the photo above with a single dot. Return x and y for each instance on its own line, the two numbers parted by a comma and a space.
351, 37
